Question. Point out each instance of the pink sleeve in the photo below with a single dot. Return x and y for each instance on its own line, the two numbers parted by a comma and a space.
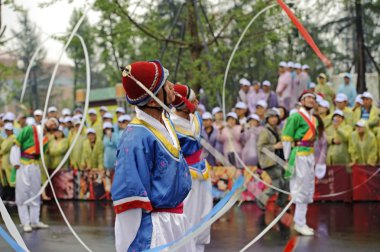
323, 152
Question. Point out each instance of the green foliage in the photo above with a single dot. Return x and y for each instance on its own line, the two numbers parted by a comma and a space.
197, 47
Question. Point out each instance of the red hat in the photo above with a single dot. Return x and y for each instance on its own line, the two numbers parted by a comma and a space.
183, 95
150, 73
307, 93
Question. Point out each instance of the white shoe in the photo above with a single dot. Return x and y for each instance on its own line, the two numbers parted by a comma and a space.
39, 225
305, 230
27, 228
311, 229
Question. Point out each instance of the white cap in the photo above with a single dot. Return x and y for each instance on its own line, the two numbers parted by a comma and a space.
207, 116
76, 120
8, 126
312, 85
282, 64
9, 116
359, 100
277, 111
38, 112
216, 110
103, 108
241, 105
202, 107
297, 66
67, 119
107, 125
290, 64
66, 112
319, 99
244, 82
52, 109
304, 67
233, 115
108, 115
338, 112
124, 118
30, 121
293, 111
267, 83
367, 95
254, 117
347, 75
92, 111
341, 97
120, 110
361, 123
262, 103
90, 130
324, 104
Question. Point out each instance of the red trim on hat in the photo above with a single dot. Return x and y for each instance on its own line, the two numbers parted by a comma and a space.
182, 91
149, 73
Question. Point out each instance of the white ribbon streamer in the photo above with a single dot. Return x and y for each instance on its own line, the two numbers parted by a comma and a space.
259, 236
234, 51
40, 136
11, 226
207, 224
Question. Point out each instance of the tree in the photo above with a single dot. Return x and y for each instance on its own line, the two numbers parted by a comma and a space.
27, 41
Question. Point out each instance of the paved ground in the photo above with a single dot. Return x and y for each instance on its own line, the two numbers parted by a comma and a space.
339, 227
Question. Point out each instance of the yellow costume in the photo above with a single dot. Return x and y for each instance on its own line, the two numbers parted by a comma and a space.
92, 157
6, 166
363, 152
57, 150
337, 154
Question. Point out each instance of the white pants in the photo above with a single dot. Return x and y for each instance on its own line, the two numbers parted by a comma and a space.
302, 182
28, 183
197, 205
302, 187
169, 227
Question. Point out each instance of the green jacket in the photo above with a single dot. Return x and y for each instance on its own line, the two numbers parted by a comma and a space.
92, 158
297, 129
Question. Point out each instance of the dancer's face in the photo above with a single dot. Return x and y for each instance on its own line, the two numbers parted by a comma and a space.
169, 88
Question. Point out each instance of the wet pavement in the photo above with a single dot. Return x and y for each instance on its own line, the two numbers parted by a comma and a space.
339, 227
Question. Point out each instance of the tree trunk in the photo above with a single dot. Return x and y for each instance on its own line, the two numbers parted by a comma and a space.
360, 56
196, 45
75, 80
35, 89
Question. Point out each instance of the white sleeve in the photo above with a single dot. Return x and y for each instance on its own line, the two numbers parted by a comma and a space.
287, 147
15, 155
126, 226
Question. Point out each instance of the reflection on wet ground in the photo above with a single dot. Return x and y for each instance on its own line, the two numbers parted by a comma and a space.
339, 227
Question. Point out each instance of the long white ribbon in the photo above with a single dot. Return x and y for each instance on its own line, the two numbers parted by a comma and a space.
40, 136
11, 226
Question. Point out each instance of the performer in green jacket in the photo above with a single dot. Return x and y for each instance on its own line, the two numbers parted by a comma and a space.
25, 157
300, 131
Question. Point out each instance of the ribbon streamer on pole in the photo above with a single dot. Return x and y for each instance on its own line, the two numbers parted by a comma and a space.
12, 228
305, 34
